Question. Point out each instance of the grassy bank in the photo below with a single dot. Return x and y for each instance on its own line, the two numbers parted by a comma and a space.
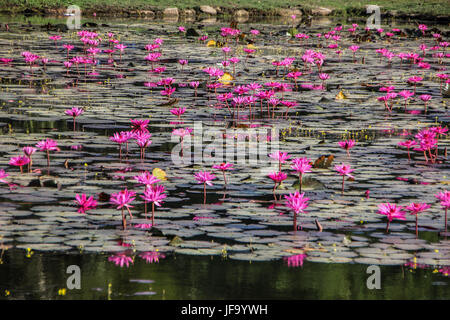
421, 7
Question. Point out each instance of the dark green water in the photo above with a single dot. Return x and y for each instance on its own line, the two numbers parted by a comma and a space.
193, 277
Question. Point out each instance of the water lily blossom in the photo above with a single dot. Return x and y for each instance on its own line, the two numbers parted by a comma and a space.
391, 211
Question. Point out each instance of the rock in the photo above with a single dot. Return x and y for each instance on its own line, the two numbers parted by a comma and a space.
171, 12
321, 11
209, 20
241, 15
146, 13
188, 13
289, 12
208, 10
393, 13
322, 21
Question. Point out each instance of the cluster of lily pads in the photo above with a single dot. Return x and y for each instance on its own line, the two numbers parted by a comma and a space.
265, 87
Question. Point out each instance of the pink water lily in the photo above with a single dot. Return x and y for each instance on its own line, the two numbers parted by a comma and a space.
415, 209
391, 211
119, 138
295, 260
3, 175
48, 145
121, 200
154, 194
298, 203
121, 48
408, 144
74, 112
206, 178
444, 198
278, 178
147, 180
143, 141
425, 98
121, 260
84, 203
282, 157
151, 256
140, 125
223, 167
345, 171
301, 166
178, 111
29, 151
347, 145
19, 161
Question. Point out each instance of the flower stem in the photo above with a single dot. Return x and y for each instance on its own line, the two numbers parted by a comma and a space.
124, 220
417, 230
153, 214
204, 193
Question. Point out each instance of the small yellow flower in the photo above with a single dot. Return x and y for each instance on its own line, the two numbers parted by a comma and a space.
62, 292
7, 293
29, 253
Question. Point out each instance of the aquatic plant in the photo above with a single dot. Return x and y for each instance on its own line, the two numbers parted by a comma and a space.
297, 202
74, 112
301, 166
415, 209
85, 204
47, 145
206, 178
345, 171
347, 145
121, 200
444, 198
391, 211
19, 161
154, 194
223, 167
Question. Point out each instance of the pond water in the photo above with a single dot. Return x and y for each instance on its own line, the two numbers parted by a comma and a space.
237, 242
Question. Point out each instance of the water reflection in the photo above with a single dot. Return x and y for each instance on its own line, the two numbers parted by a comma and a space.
194, 277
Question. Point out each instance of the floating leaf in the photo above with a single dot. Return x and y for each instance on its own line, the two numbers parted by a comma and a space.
323, 162
341, 96
226, 78
159, 173
211, 43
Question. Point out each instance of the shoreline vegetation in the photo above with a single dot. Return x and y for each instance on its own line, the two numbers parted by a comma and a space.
413, 10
